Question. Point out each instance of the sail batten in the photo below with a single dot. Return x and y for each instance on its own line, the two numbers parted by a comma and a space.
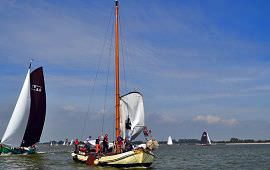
16, 127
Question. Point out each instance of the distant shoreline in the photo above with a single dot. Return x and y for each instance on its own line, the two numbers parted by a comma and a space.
232, 141
255, 143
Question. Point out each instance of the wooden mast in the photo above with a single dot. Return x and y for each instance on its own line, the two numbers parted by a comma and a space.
117, 90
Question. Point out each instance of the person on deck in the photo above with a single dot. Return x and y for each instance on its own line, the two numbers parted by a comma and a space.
76, 145
128, 128
119, 144
105, 143
34, 146
128, 145
97, 146
87, 145
88, 139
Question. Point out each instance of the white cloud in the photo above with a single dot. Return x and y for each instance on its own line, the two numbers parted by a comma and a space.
212, 119
167, 118
69, 108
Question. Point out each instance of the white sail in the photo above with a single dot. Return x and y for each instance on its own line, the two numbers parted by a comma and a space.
14, 133
131, 106
71, 142
169, 141
208, 139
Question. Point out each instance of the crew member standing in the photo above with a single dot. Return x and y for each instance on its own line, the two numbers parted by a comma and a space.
76, 145
105, 144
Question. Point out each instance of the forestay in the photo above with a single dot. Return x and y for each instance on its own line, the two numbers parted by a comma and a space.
131, 106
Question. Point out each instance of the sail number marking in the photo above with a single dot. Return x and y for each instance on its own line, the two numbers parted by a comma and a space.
36, 88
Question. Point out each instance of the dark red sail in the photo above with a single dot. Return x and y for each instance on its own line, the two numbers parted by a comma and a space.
38, 109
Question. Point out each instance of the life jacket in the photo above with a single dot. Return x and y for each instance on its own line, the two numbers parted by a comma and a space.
97, 148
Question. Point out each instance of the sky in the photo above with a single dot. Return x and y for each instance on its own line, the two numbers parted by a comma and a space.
200, 65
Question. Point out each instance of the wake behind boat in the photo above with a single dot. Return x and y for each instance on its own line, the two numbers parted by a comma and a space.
129, 123
26, 123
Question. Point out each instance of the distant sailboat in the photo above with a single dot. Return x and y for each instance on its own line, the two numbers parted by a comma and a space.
169, 142
205, 140
51, 144
71, 142
27, 120
65, 142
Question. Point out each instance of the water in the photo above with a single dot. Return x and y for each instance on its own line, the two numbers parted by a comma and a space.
169, 157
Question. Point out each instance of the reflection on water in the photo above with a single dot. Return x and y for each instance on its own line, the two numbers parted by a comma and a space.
169, 157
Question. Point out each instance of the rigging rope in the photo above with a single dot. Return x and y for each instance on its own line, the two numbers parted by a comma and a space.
91, 90
107, 82
122, 46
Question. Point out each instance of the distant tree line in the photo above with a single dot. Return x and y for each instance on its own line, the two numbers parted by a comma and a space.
232, 140
236, 140
189, 141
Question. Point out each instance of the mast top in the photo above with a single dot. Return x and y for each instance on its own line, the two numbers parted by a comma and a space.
116, 2
31, 60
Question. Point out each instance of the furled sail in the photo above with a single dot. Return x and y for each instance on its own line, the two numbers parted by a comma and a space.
131, 109
205, 140
38, 109
16, 127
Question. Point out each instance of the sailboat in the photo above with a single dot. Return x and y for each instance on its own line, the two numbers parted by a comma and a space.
26, 123
71, 142
65, 142
169, 142
205, 140
129, 112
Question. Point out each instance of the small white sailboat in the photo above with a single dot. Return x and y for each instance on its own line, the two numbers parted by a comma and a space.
169, 142
205, 139
26, 123
51, 144
71, 142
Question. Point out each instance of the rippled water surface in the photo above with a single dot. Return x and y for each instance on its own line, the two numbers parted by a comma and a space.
169, 157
